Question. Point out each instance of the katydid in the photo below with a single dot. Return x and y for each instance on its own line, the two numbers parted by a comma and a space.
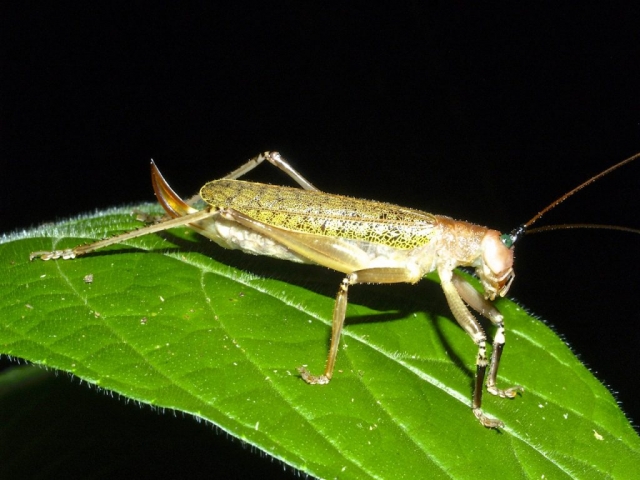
368, 241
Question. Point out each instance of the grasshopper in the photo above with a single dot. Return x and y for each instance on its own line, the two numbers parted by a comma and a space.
368, 241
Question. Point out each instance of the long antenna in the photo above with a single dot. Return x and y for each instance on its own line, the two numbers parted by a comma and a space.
595, 226
580, 187
511, 238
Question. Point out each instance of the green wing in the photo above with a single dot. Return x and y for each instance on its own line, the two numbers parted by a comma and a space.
326, 214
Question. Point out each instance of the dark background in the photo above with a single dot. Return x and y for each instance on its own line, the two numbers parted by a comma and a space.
484, 115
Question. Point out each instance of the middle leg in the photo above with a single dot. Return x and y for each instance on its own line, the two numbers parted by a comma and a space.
369, 275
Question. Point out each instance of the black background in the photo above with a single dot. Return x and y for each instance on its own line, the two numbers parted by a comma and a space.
483, 115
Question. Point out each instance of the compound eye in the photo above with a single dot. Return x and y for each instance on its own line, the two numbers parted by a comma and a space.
507, 240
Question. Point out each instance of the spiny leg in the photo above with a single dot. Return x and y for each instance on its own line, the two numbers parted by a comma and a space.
275, 159
469, 323
310, 250
339, 312
475, 300
369, 275
377, 275
182, 214
70, 253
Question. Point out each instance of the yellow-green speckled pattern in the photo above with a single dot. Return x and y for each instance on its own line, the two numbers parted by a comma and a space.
323, 213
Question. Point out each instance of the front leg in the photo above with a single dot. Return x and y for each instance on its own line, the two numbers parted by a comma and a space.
484, 307
470, 324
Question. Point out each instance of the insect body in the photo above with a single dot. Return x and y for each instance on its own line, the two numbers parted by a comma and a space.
370, 242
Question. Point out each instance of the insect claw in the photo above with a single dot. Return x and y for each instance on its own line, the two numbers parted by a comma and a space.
487, 421
513, 391
507, 392
313, 379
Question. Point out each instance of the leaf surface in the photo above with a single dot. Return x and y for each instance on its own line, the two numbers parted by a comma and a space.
174, 321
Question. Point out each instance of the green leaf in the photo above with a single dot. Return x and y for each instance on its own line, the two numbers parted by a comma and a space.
174, 321
53, 428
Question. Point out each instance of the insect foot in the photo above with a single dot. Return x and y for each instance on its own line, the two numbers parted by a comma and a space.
487, 421
67, 254
313, 379
505, 393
